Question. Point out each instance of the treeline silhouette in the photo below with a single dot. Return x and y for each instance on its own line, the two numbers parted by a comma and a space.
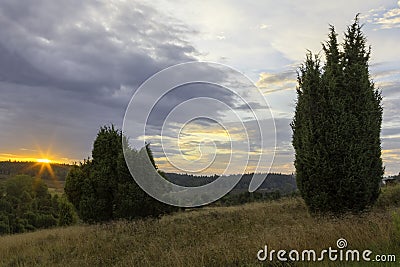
275, 186
284, 183
12, 168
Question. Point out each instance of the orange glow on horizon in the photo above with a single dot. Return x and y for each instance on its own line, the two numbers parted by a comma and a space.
40, 158
44, 161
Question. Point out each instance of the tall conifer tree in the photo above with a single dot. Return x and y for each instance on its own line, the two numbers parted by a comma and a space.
336, 127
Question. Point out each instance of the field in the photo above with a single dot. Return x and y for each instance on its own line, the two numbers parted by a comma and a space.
216, 236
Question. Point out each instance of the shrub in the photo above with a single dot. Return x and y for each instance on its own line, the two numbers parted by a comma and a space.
103, 189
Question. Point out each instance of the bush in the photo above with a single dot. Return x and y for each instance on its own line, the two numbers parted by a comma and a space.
103, 189
27, 205
66, 213
396, 227
232, 199
389, 197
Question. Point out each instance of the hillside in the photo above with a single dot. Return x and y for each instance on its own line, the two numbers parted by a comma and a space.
223, 236
10, 168
57, 173
53, 174
283, 183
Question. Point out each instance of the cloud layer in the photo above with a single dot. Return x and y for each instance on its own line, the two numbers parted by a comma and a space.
67, 68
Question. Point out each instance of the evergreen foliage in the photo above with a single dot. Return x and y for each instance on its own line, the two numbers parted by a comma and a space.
336, 127
27, 205
103, 189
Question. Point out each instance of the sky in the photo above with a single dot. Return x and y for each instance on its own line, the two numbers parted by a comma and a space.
69, 67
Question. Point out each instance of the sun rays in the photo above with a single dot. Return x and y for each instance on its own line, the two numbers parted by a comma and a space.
45, 166
43, 160
44, 163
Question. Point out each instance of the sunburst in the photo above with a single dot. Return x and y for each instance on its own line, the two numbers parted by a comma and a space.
45, 163
43, 160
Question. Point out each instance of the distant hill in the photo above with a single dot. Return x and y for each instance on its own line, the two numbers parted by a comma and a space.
397, 177
284, 183
54, 177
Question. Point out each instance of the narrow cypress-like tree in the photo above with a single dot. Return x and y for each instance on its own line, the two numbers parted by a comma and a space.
309, 78
364, 120
336, 128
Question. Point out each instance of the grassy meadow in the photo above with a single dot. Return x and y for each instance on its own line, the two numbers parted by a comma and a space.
211, 236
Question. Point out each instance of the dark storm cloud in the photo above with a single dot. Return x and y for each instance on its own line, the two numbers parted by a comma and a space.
68, 67
100, 45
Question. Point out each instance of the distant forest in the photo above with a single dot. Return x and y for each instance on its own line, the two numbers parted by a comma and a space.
275, 181
10, 169
284, 183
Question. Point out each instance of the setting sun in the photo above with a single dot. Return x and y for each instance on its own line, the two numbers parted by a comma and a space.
43, 160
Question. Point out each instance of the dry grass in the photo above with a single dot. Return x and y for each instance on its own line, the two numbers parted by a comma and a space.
229, 236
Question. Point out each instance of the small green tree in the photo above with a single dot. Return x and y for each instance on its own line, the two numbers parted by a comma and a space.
336, 128
74, 185
66, 211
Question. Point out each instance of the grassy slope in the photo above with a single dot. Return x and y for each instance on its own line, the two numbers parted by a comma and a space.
229, 236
